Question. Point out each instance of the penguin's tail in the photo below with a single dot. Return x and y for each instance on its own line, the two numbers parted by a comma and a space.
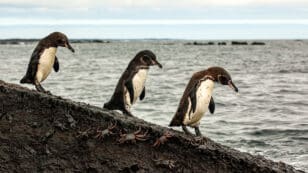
25, 79
107, 106
176, 122
111, 105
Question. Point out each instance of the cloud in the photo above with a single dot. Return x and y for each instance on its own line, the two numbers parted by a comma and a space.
153, 9
150, 3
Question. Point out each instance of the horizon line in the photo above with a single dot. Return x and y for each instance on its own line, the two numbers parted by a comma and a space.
93, 22
179, 39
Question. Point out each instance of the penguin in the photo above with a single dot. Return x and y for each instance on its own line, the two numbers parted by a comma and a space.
197, 98
44, 58
131, 85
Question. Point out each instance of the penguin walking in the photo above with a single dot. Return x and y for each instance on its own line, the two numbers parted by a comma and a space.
43, 59
197, 98
131, 85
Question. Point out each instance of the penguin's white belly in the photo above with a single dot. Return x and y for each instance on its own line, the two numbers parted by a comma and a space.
138, 84
204, 94
45, 64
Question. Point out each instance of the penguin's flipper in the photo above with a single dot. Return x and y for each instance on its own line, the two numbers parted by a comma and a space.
142, 95
193, 98
128, 113
130, 88
56, 65
212, 105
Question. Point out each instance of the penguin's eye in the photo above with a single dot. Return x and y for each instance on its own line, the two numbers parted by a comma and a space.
61, 41
146, 59
223, 79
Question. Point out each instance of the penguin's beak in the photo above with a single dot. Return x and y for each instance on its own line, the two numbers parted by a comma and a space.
231, 85
155, 62
67, 45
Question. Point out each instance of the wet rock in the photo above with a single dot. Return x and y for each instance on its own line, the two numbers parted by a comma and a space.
51, 144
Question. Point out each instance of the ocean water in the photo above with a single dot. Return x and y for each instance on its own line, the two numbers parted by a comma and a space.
268, 117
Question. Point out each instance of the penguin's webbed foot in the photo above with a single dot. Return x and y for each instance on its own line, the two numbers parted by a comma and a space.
39, 88
186, 131
128, 113
197, 130
48, 92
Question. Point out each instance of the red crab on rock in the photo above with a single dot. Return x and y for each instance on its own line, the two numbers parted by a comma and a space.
163, 139
84, 134
101, 134
165, 163
133, 137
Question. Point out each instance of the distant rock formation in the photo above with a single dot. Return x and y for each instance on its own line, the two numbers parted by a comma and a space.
239, 43
222, 43
257, 43
16, 41
89, 41
24, 41
46, 133
200, 43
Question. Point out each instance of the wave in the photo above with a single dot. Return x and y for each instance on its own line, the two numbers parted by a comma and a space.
267, 132
254, 143
293, 71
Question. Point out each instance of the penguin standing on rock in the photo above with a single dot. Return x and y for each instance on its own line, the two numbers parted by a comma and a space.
197, 97
131, 85
43, 59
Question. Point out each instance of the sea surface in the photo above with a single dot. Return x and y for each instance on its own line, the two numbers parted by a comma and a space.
268, 117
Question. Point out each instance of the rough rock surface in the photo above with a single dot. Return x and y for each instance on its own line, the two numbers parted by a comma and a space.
43, 133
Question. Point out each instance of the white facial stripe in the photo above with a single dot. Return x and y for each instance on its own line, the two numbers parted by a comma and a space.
208, 77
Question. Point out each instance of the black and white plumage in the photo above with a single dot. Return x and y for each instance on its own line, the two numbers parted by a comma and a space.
197, 97
43, 59
131, 85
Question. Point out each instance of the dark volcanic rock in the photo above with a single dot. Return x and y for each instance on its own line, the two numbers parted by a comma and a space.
257, 43
239, 43
43, 133
27, 41
195, 43
222, 43
89, 41
16, 41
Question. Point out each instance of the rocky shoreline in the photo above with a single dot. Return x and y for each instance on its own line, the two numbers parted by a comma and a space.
43, 133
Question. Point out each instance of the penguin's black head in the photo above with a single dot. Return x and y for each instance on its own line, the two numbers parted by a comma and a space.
60, 39
221, 76
147, 58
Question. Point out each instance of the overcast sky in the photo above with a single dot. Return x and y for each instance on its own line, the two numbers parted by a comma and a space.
196, 19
